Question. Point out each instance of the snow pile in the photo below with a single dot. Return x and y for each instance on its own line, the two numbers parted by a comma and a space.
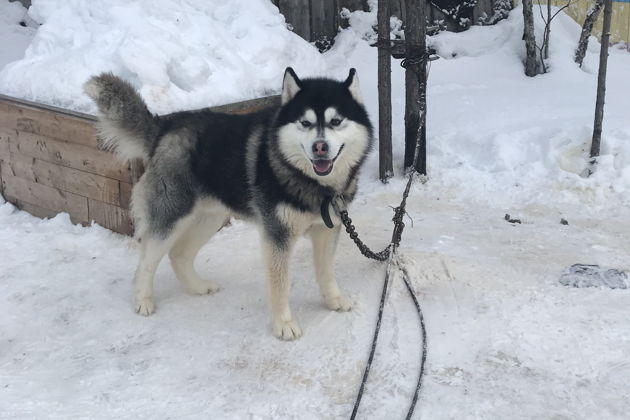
498, 131
181, 55
15, 36
495, 134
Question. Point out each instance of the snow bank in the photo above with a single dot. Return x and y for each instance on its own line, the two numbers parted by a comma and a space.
15, 37
180, 55
519, 139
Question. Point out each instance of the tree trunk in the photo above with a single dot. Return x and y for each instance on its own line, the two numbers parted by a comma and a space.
548, 29
385, 166
587, 29
415, 86
601, 81
529, 38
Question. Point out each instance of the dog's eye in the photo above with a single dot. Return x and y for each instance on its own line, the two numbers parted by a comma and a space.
335, 122
305, 123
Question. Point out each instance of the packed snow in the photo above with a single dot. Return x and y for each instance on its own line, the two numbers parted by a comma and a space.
506, 339
16, 32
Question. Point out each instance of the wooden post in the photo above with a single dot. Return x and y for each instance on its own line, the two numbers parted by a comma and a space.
385, 165
601, 82
415, 86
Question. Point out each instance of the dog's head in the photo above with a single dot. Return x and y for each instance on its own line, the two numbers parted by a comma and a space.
323, 128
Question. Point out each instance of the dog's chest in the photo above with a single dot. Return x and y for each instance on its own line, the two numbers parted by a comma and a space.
298, 222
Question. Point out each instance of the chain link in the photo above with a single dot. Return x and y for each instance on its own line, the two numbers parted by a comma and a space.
365, 250
399, 226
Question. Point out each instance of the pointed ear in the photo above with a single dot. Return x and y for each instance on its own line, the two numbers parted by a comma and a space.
290, 85
352, 83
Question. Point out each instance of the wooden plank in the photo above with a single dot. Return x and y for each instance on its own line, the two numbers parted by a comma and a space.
110, 217
323, 21
125, 195
41, 106
36, 210
64, 178
43, 196
41, 212
397, 8
48, 123
5, 137
245, 107
297, 14
74, 156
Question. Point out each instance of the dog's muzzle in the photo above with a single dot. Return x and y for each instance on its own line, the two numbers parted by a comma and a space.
321, 165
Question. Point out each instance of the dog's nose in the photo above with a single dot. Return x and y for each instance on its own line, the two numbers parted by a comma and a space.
320, 148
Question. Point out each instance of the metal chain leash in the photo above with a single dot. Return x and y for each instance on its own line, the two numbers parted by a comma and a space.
399, 226
365, 250
389, 254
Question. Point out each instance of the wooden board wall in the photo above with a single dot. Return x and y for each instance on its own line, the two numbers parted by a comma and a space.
50, 163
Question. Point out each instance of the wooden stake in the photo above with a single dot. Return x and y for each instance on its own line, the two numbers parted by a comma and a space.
415, 86
385, 167
601, 81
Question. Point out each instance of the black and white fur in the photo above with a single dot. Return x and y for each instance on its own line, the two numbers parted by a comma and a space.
274, 166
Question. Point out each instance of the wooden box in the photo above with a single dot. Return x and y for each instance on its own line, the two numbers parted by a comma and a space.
50, 163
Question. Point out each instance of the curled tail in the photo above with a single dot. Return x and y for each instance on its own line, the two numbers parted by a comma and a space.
126, 126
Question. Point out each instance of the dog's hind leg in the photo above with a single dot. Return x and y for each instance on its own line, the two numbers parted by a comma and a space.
324, 246
152, 249
277, 258
187, 246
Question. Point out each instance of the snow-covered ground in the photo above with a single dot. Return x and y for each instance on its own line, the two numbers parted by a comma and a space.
506, 340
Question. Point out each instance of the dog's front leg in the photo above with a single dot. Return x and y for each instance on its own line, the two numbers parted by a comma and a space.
277, 253
324, 246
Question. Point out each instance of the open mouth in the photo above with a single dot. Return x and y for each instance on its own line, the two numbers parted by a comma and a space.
323, 167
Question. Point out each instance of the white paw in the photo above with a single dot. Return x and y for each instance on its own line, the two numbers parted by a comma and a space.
145, 306
204, 287
339, 303
287, 330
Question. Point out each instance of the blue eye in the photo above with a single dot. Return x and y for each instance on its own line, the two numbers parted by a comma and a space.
305, 123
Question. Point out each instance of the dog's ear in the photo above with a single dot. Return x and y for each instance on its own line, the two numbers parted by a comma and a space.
352, 83
291, 85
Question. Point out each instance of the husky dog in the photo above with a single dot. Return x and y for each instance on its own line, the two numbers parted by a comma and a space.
275, 166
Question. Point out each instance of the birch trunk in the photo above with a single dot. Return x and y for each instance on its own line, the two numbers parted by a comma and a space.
587, 29
529, 38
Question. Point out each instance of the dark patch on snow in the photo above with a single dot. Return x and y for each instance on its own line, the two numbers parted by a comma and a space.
510, 220
587, 275
564, 222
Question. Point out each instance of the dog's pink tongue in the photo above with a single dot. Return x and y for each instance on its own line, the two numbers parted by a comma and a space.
322, 165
